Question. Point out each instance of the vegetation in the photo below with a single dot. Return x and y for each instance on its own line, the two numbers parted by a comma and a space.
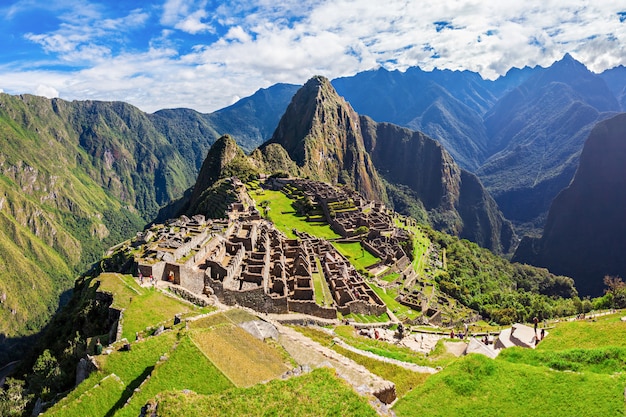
319, 393
282, 213
478, 386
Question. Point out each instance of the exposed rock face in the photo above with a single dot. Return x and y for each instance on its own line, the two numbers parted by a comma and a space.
455, 199
322, 134
584, 233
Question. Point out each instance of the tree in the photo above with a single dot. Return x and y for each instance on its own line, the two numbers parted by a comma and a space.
616, 289
13, 398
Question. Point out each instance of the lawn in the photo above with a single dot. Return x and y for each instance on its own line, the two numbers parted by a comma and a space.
388, 296
318, 393
186, 368
323, 297
606, 331
242, 358
143, 306
356, 254
93, 401
478, 386
284, 217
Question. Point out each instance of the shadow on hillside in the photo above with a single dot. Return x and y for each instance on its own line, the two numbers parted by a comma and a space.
128, 392
20, 347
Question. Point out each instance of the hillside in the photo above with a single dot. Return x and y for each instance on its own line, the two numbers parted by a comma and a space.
583, 236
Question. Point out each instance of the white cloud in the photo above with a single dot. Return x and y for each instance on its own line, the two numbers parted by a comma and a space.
259, 43
46, 91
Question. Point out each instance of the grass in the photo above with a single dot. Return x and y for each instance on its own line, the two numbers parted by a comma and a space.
144, 307
606, 331
478, 386
91, 403
131, 368
404, 379
242, 358
319, 393
323, 297
285, 219
186, 368
388, 296
356, 254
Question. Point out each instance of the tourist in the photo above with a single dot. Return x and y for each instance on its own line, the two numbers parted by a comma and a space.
98, 348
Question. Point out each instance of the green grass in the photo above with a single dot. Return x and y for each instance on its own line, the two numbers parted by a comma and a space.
356, 254
390, 277
186, 368
319, 393
478, 386
404, 379
93, 401
388, 296
323, 297
285, 219
131, 367
366, 318
606, 331
144, 307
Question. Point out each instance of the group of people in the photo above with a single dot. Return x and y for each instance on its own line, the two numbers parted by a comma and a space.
151, 280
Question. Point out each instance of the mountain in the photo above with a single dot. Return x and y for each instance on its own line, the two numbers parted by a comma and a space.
536, 133
320, 131
446, 105
455, 200
252, 120
584, 233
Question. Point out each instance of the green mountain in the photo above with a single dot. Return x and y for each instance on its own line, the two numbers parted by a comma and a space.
321, 134
583, 236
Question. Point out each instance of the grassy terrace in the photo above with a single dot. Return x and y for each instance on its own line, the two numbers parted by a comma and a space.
356, 254
144, 306
319, 393
323, 297
284, 216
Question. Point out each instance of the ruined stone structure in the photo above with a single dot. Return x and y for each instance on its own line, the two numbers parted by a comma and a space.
245, 261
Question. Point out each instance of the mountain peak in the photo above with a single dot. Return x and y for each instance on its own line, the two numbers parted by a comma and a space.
321, 132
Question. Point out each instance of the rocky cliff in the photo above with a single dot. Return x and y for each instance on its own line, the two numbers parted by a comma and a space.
584, 233
455, 200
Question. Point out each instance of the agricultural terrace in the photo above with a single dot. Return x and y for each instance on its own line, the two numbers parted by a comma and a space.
143, 307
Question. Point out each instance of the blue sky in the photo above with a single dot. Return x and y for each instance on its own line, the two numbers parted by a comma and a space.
205, 55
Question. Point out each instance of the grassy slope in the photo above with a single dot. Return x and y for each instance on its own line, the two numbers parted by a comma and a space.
283, 215
143, 306
319, 393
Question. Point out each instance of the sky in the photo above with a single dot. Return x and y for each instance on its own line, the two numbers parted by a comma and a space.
205, 55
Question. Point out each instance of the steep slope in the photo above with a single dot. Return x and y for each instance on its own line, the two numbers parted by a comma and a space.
321, 134
536, 133
585, 229
59, 210
455, 199
213, 190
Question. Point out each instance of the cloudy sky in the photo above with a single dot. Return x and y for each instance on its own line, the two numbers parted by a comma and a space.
205, 54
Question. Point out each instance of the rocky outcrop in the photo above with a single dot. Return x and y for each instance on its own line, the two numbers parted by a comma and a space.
584, 233
455, 199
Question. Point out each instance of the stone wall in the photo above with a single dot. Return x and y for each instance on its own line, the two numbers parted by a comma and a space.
311, 308
189, 296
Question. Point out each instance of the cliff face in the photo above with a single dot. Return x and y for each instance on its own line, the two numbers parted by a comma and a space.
321, 133
455, 199
584, 233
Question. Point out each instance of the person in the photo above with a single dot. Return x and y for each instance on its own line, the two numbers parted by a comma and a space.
543, 333
98, 348
535, 321
452, 334
140, 278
